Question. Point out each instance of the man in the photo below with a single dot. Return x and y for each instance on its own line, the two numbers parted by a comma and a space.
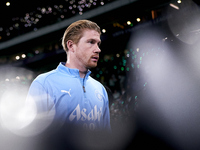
75, 97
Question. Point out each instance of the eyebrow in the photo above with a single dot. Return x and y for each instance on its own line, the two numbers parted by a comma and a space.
98, 41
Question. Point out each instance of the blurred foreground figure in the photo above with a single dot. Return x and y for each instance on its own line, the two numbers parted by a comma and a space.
168, 69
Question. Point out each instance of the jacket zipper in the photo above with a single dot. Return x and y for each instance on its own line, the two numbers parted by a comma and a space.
83, 85
84, 89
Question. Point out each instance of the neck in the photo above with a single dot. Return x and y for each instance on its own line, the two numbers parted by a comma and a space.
82, 72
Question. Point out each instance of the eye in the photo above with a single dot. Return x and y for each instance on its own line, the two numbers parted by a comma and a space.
99, 43
91, 41
94, 42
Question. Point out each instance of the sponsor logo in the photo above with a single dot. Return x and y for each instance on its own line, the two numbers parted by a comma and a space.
68, 92
83, 115
99, 96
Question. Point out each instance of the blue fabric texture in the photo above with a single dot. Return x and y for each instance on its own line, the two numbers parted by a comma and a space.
75, 100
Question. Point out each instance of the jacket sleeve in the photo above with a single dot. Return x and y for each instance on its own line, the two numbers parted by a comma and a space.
106, 114
37, 101
107, 117
39, 95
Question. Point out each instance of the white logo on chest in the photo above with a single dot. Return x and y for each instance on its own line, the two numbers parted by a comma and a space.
68, 92
93, 115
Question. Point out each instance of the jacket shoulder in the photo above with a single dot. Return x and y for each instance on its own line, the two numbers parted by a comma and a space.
42, 78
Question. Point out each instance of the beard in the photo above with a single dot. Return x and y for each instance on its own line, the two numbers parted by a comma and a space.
87, 62
91, 65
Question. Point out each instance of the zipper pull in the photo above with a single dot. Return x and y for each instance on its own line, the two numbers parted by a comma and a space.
84, 89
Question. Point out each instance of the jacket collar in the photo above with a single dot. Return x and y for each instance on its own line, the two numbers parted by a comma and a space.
71, 72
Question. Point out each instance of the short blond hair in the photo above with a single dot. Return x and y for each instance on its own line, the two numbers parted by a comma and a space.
75, 31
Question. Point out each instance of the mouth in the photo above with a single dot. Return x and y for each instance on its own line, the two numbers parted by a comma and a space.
95, 58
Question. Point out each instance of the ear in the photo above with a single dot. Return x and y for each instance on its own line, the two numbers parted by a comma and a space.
70, 45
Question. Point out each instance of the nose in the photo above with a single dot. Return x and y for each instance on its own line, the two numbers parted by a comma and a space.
97, 49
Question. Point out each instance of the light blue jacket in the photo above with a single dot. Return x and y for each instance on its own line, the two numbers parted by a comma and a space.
75, 100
